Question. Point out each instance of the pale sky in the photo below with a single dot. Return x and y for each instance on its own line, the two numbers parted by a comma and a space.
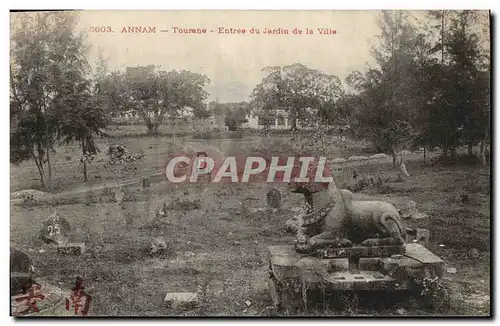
234, 63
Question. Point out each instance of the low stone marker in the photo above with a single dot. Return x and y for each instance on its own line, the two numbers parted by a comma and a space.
274, 198
146, 184
173, 299
55, 230
71, 248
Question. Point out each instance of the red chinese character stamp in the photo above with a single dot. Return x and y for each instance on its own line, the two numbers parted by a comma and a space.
28, 303
79, 299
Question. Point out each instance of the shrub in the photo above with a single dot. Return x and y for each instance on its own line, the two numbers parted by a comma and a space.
435, 293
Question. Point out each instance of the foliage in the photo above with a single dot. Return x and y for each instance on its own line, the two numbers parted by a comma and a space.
156, 94
296, 89
50, 91
431, 87
234, 113
399, 135
233, 121
435, 293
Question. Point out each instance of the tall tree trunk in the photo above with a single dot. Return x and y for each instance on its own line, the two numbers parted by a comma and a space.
38, 158
442, 37
150, 127
482, 150
469, 148
403, 168
39, 165
85, 172
49, 165
394, 158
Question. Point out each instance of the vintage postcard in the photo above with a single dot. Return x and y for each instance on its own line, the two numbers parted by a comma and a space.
250, 163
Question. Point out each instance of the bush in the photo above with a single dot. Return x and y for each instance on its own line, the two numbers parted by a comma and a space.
435, 293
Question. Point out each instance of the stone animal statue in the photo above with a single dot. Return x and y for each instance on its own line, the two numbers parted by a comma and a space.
374, 223
325, 221
334, 219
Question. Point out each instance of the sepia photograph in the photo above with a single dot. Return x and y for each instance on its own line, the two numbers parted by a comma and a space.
244, 163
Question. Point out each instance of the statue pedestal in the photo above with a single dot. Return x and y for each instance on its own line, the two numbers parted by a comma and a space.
387, 268
362, 251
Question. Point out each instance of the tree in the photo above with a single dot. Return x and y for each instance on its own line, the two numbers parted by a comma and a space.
387, 96
46, 73
235, 114
111, 93
434, 82
399, 136
459, 97
156, 94
82, 122
295, 89
469, 85
83, 115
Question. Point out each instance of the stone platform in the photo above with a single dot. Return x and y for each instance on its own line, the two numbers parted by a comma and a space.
357, 268
362, 251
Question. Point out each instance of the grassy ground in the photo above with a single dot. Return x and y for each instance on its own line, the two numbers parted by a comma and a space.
68, 172
221, 247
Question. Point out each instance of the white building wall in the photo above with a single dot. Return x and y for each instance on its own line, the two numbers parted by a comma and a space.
252, 122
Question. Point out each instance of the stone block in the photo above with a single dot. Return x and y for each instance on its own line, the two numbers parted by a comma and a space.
363, 251
423, 255
274, 198
71, 248
363, 280
173, 299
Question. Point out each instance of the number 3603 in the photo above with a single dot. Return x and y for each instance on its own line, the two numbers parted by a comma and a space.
100, 29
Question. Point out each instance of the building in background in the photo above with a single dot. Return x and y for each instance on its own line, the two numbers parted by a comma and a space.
276, 119
184, 121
